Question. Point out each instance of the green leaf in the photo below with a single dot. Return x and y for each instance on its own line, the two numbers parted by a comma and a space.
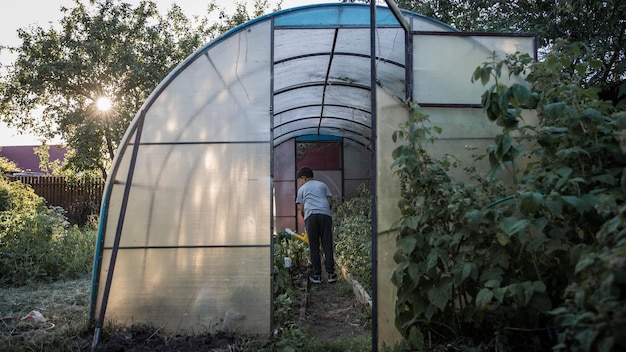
531, 202
439, 296
498, 294
605, 178
414, 272
430, 311
584, 264
586, 338
539, 286
557, 129
407, 244
474, 217
521, 93
485, 75
464, 270
555, 207
564, 171
492, 284
416, 338
558, 311
483, 298
558, 110
512, 225
432, 260
575, 202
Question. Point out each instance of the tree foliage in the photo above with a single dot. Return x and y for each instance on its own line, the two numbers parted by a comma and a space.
100, 49
7, 166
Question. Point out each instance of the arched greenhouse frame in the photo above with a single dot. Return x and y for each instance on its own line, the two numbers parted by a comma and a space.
205, 175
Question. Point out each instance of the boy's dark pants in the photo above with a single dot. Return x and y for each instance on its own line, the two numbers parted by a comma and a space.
319, 227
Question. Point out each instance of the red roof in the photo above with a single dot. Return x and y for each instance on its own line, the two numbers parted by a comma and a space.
26, 159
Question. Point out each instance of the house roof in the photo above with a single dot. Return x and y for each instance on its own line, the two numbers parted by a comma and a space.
25, 158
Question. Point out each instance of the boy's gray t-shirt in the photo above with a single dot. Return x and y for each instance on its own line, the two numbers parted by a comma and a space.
312, 195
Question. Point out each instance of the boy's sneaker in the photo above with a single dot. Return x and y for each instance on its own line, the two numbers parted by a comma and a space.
315, 279
332, 277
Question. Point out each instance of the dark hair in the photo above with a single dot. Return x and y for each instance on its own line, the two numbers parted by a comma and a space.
305, 171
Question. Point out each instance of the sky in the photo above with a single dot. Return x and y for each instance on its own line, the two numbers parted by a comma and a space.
24, 13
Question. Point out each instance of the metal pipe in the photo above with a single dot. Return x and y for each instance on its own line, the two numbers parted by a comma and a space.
374, 117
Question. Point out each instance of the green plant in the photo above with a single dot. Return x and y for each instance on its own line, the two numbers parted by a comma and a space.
353, 236
287, 295
36, 242
491, 257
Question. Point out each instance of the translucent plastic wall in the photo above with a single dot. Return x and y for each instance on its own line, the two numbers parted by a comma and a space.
443, 87
195, 243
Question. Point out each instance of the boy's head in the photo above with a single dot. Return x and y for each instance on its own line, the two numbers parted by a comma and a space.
304, 171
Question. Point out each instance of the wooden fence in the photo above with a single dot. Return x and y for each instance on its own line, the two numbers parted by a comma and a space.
78, 198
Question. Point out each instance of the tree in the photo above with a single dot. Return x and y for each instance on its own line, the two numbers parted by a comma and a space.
103, 49
7, 166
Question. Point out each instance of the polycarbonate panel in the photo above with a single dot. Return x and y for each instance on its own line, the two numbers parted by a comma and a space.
201, 194
228, 86
329, 126
354, 41
288, 42
443, 65
390, 114
466, 133
353, 114
312, 95
286, 198
427, 24
349, 119
357, 161
284, 163
187, 290
465, 123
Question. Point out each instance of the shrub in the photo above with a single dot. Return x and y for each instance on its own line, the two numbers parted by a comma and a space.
521, 262
37, 243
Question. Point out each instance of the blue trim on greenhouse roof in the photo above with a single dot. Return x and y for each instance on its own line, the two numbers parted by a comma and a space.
318, 138
331, 14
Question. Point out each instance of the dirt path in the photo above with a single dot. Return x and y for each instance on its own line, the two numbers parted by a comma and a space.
333, 313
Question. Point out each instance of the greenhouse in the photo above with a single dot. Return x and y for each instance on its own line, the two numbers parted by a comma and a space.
205, 175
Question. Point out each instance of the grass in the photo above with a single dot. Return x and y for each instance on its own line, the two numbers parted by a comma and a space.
64, 304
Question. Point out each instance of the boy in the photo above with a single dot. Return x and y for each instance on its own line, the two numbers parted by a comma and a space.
314, 202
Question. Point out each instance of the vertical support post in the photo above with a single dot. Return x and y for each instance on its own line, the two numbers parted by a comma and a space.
373, 108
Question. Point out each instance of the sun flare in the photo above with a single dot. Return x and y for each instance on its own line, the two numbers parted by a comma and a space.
104, 104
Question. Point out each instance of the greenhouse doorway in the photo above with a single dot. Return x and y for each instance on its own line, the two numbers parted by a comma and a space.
341, 163
323, 155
